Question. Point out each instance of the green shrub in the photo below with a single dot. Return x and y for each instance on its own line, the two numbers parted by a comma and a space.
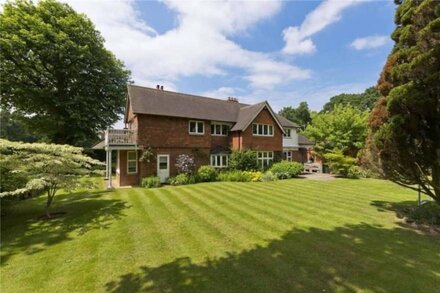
243, 160
150, 182
428, 213
181, 179
235, 176
286, 169
355, 172
268, 176
207, 173
339, 164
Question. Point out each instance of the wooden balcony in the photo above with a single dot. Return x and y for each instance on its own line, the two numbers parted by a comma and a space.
120, 137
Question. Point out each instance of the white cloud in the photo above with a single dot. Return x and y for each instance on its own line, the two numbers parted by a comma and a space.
220, 93
369, 42
297, 39
198, 45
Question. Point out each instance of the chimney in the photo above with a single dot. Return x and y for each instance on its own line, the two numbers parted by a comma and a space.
232, 99
161, 87
157, 86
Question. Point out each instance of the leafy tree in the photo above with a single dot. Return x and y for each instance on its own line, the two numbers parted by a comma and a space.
13, 128
55, 70
364, 101
405, 123
344, 129
300, 115
47, 167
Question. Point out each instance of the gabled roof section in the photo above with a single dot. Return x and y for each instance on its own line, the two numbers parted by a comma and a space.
302, 140
286, 122
249, 113
166, 103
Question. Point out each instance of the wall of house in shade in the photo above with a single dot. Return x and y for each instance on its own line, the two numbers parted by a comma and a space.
122, 177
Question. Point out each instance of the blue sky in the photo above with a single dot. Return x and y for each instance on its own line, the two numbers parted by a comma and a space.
281, 51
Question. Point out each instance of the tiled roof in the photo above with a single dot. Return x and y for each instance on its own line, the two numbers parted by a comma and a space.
152, 101
302, 140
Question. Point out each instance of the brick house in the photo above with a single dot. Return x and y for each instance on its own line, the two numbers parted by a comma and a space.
169, 124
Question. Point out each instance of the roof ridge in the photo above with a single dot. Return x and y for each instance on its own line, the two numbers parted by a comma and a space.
185, 94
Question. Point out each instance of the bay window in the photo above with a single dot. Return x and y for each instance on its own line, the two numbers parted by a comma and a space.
219, 160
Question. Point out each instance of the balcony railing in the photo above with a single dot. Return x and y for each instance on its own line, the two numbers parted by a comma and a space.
120, 137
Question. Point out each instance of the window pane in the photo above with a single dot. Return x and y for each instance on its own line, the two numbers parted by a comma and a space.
224, 160
225, 129
255, 129
192, 126
260, 129
218, 129
199, 127
270, 130
265, 129
212, 160
132, 167
212, 128
270, 154
260, 154
131, 155
163, 165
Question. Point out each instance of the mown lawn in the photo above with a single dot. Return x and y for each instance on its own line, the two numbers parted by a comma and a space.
285, 236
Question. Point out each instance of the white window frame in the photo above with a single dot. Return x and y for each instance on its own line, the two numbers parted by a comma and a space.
215, 158
129, 161
288, 133
221, 129
265, 157
288, 155
262, 129
197, 127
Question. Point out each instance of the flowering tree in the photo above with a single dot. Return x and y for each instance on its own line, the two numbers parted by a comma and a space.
47, 167
185, 164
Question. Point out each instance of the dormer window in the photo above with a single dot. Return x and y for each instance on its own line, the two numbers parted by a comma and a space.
262, 129
196, 127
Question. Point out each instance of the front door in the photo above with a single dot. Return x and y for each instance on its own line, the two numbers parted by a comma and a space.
163, 167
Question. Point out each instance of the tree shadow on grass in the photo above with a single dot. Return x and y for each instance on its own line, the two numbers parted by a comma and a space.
24, 230
349, 258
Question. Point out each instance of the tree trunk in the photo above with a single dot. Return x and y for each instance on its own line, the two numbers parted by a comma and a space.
48, 203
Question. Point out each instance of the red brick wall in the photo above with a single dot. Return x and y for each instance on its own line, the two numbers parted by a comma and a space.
300, 155
263, 143
124, 179
171, 132
170, 135
201, 157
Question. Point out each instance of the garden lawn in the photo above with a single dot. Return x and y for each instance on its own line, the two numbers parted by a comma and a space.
283, 236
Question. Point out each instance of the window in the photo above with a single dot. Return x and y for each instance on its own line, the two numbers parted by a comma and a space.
265, 159
219, 129
131, 162
196, 127
288, 156
288, 133
219, 160
262, 129
163, 163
